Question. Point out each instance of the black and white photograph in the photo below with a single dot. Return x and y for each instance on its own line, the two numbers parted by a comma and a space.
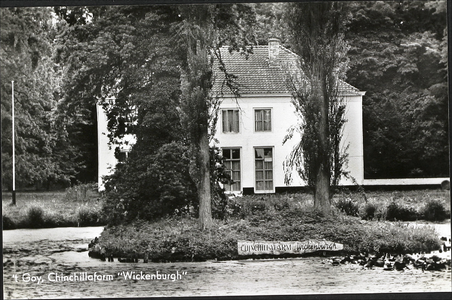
216, 149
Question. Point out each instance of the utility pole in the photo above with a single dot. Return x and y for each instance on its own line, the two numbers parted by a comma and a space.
14, 147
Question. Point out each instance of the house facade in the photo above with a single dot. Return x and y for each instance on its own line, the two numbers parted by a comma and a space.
251, 128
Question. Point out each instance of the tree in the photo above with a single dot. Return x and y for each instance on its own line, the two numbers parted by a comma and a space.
26, 58
197, 103
154, 181
269, 22
317, 31
397, 55
118, 52
128, 53
204, 29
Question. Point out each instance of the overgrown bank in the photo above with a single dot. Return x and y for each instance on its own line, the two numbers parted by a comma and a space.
77, 206
272, 218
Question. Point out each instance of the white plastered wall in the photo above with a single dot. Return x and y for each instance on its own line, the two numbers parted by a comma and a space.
283, 117
247, 139
353, 137
106, 160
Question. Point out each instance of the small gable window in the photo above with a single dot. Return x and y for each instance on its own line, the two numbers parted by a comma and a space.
263, 119
230, 120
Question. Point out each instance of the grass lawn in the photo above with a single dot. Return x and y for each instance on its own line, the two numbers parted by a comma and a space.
282, 217
51, 209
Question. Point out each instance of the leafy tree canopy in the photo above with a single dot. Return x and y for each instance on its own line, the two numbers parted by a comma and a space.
26, 58
398, 57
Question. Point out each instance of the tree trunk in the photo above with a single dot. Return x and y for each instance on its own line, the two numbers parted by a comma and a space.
322, 191
205, 207
322, 187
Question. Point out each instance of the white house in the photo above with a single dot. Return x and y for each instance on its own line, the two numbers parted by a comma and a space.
251, 128
106, 160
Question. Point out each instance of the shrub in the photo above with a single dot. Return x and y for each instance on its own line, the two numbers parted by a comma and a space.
35, 217
400, 238
54, 219
253, 207
369, 211
348, 207
381, 212
434, 211
398, 212
7, 222
279, 203
373, 211
162, 187
233, 208
88, 216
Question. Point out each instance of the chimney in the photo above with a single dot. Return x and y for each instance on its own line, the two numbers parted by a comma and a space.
273, 52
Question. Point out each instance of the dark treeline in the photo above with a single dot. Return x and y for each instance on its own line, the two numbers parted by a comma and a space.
398, 55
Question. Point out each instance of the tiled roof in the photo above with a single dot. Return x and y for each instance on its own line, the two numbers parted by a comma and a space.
255, 75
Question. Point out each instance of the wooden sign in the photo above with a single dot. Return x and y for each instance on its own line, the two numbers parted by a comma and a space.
278, 248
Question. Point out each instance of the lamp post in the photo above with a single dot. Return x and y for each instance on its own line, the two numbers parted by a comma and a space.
14, 146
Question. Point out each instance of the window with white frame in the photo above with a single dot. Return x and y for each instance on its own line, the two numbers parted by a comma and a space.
231, 160
264, 168
263, 119
230, 120
122, 154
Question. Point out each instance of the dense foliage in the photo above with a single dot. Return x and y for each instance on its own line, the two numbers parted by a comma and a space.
26, 59
398, 55
133, 70
51, 147
64, 60
134, 73
162, 187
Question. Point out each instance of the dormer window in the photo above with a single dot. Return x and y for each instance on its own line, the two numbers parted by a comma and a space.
230, 120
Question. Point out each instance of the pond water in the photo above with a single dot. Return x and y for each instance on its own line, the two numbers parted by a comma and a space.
51, 234
46, 253
443, 229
